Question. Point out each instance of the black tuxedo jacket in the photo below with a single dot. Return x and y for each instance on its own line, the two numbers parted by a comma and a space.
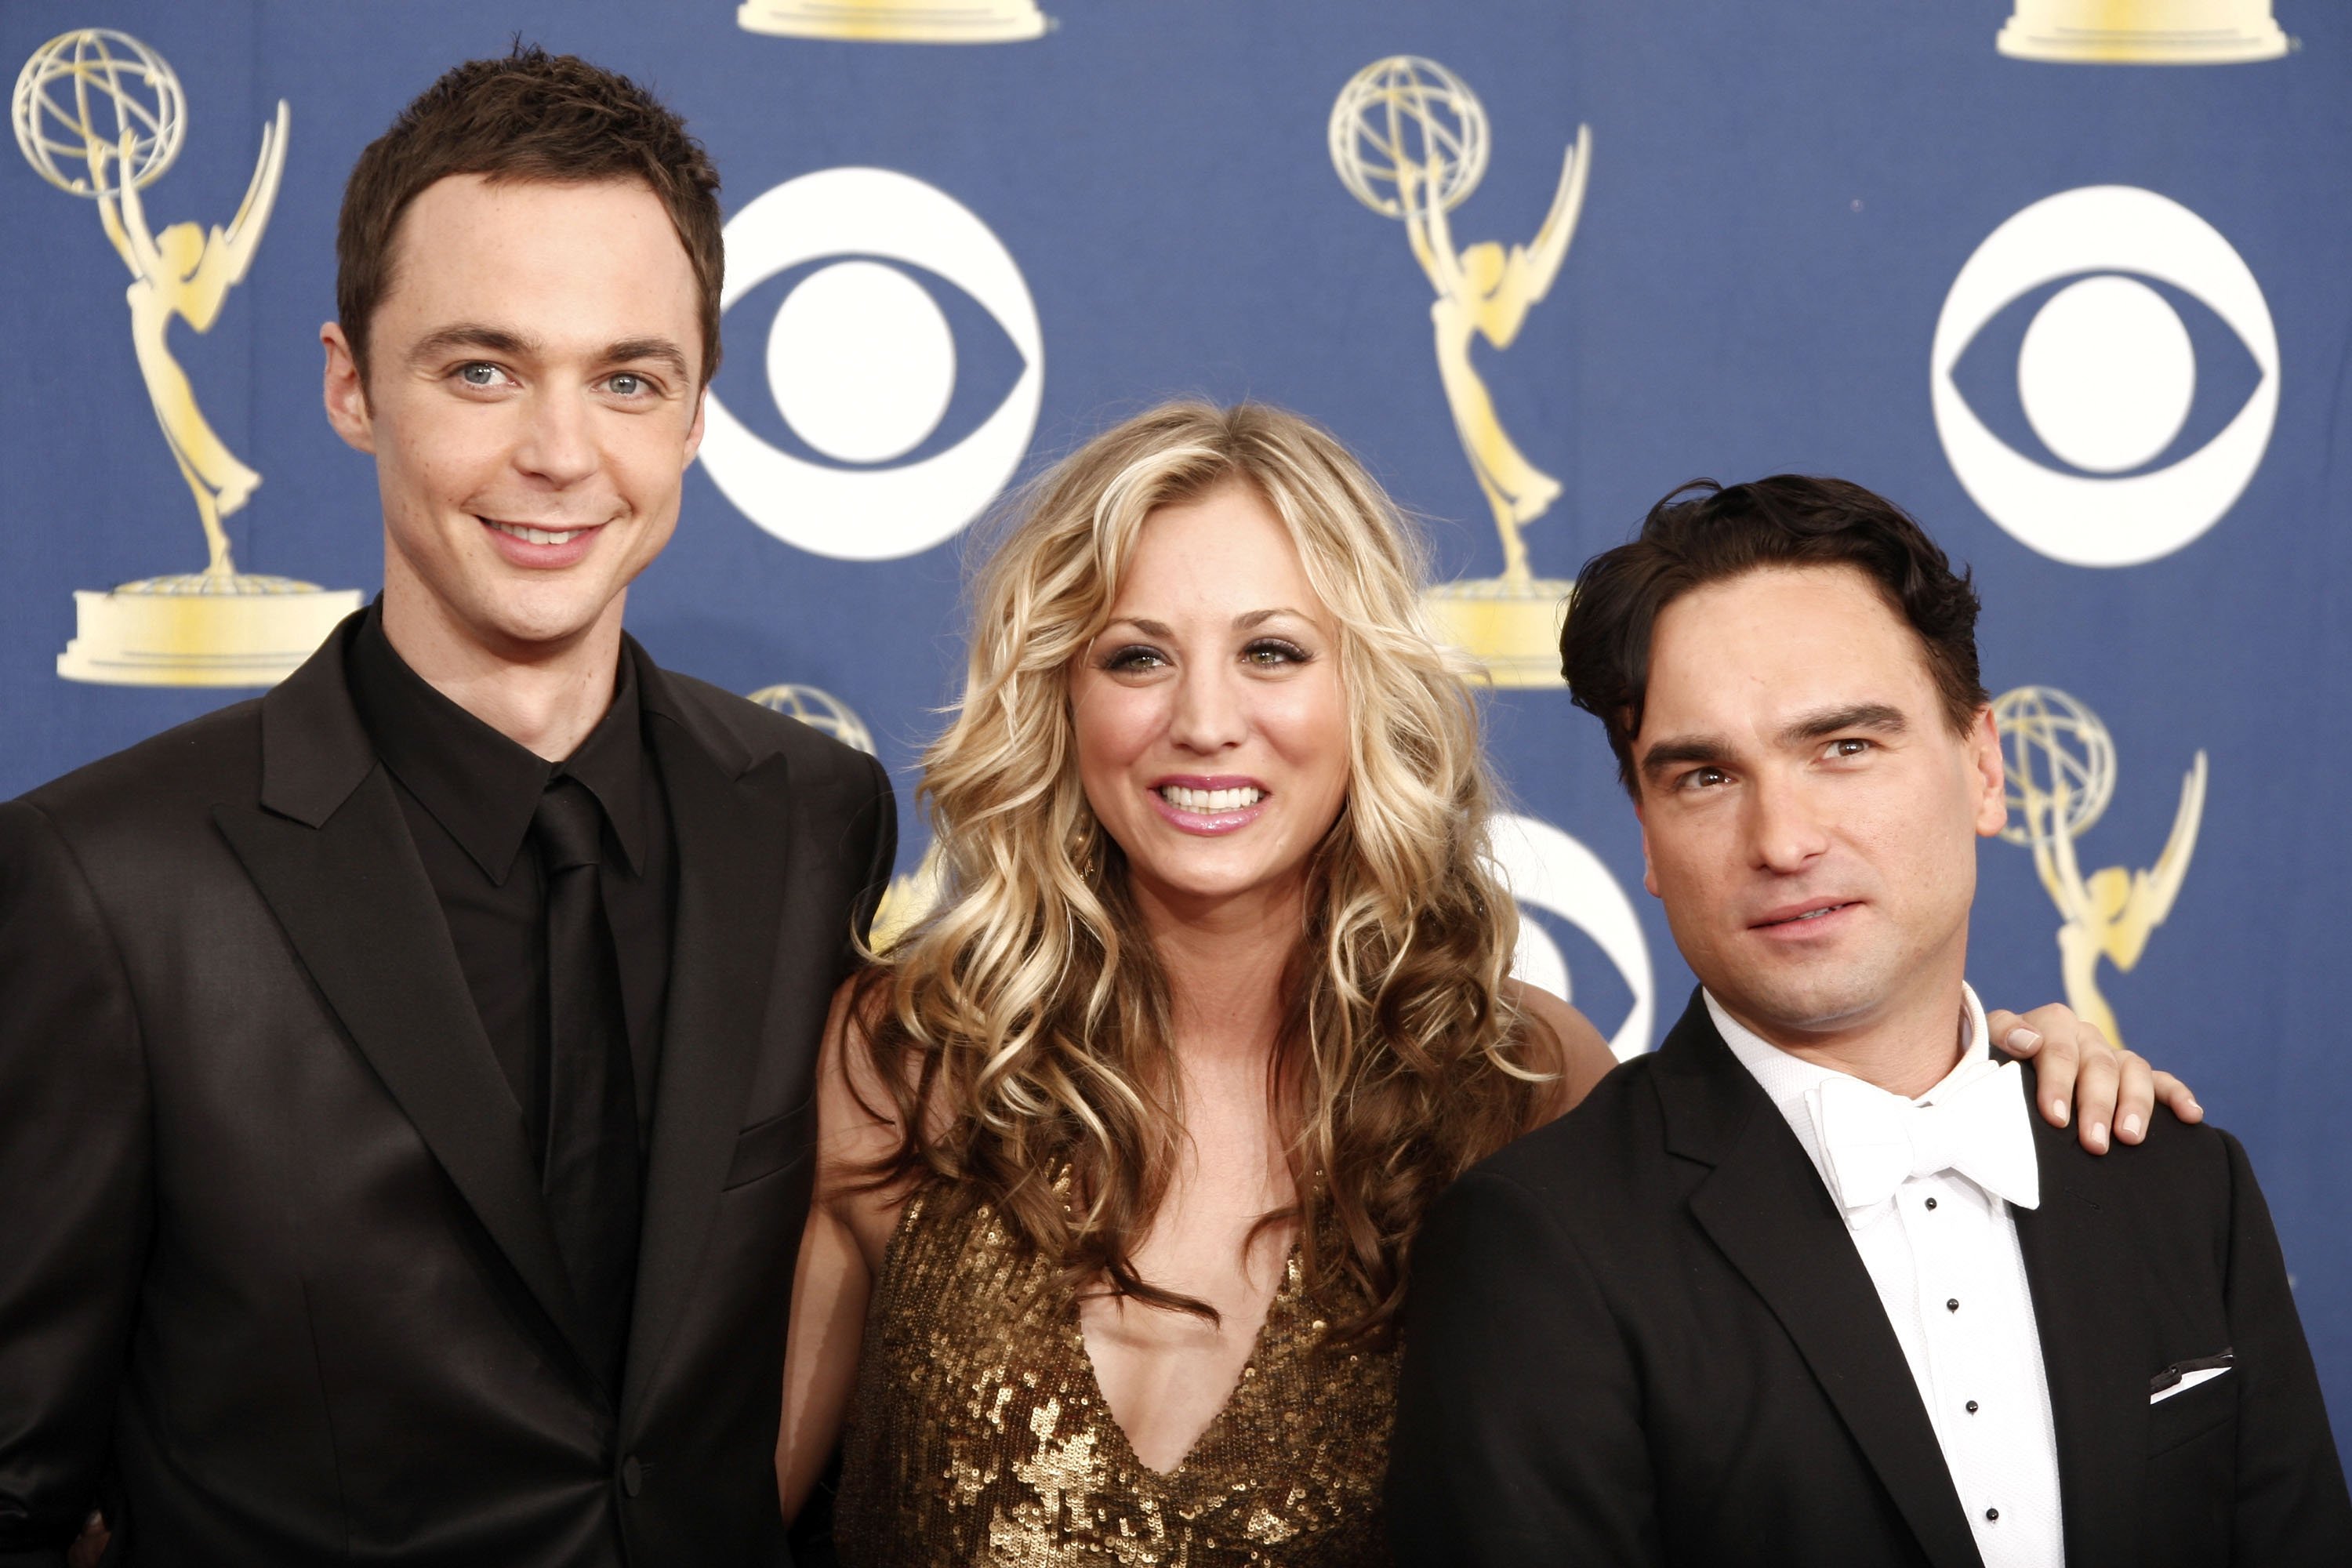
1642, 1335
276, 1265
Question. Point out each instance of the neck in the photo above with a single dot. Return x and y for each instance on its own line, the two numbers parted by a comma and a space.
545, 697
1905, 1045
1224, 960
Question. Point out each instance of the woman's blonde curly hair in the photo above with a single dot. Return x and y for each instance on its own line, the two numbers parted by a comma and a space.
1024, 1025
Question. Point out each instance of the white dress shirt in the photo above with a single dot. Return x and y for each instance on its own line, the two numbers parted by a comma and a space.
1944, 1257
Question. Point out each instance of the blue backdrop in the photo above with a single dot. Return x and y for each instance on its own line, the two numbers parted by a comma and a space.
1780, 200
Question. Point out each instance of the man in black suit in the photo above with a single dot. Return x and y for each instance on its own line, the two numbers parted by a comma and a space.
404, 1078
1812, 1284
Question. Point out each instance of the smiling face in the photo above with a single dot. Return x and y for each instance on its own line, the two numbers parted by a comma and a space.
1808, 814
1212, 724
532, 400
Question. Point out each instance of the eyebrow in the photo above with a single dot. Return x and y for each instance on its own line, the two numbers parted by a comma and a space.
1817, 725
636, 351
1823, 723
471, 335
1242, 623
502, 341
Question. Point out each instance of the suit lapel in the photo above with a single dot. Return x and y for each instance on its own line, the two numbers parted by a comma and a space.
329, 850
732, 820
2094, 1368
1765, 1206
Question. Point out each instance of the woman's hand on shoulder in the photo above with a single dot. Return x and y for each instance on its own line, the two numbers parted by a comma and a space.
2083, 1079
1564, 1042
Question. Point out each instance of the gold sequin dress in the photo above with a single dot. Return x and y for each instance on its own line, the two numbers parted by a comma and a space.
978, 1434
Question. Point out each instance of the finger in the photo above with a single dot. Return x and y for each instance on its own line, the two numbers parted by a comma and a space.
2051, 1045
2135, 1097
2179, 1098
2017, 1037
2098, 1084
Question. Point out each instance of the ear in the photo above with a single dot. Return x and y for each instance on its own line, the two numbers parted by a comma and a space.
345, 391
1986, 775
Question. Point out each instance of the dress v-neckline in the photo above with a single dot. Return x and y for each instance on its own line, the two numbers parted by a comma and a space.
1285, 1292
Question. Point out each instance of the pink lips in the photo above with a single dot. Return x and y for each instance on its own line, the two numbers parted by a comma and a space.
574, 545
1806, 921
1205, 824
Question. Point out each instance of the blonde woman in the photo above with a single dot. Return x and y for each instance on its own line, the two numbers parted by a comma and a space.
1121, 1149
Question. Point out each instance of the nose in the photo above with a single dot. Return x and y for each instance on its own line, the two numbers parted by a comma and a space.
557, 443
1787, 829
1209, 714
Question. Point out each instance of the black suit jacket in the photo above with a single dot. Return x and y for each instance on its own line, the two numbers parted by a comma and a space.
276, 1261
1642, 1335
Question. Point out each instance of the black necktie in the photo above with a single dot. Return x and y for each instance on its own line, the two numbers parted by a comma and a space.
589, 1172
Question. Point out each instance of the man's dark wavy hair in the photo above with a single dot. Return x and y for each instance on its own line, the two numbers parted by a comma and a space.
1704, 532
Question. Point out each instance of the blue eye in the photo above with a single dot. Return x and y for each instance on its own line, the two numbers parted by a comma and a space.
478, 373
895, 375
2105, 376
787, 377
2026, 347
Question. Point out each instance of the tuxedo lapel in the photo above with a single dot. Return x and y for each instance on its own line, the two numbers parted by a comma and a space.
1765, 1206
732, 817
329, 852
2095, 1370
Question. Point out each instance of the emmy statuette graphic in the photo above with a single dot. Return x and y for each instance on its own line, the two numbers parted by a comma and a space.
1410, 141
100, 114
2062, 774
2143, 32
897, 21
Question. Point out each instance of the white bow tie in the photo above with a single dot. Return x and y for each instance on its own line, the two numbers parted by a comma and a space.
1873, 1141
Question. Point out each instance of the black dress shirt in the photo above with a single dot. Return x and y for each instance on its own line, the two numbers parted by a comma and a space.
468, 794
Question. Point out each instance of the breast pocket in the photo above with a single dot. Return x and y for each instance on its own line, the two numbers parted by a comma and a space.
2190, 1400
776, 1144
2191, 1490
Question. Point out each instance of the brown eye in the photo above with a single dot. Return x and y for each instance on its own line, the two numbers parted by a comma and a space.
1273, 651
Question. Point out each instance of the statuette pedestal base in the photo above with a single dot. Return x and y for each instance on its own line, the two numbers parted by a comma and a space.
1510, 626
201, 630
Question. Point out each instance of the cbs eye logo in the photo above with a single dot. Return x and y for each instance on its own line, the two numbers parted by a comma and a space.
2107, 375
904, 363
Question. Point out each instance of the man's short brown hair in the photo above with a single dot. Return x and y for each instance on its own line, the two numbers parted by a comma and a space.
530, 116
1701, 532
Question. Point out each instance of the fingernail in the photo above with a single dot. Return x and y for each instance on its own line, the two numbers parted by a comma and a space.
2129, 1125
2061, 1111
2022, 1039
2099, 1134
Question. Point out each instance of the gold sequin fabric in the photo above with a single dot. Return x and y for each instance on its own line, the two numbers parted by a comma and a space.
978, 1433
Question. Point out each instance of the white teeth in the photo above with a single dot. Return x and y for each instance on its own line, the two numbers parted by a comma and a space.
1210, 800
532, 535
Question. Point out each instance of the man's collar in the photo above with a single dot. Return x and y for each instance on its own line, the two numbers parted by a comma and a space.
1785, 1077
478, 784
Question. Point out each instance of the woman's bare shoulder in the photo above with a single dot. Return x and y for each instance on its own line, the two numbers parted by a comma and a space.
858, 1128
1564, 1041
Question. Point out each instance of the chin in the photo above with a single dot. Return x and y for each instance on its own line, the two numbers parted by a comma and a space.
1815, 1001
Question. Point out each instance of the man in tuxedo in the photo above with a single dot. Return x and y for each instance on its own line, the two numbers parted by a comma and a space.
1812, 1284
405, 1077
